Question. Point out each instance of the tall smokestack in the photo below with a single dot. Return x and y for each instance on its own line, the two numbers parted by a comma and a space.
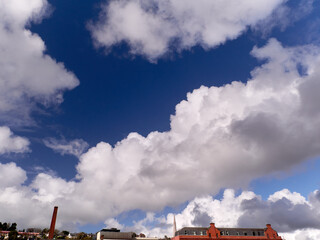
53, 222
174, 225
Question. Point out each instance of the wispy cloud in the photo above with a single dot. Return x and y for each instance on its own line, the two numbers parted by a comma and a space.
74, 147
283, 17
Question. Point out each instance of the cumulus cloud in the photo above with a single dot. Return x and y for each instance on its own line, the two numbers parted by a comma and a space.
11, 175
150, 225
113, 223
75, 147
152, 28
244, 210
242, 131
18, 202
220, 137
9, 143
284, 212
303, 234
27, 75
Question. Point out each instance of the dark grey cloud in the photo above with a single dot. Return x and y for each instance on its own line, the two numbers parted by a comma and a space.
283, 214
317, 195
310, 97
201, 219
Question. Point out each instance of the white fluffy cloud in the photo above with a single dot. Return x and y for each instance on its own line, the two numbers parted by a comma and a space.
18, 202
11, 175
27, 74
242, 131
10, 143
219, 137
245, 210
151, 28
75, 147
303, 234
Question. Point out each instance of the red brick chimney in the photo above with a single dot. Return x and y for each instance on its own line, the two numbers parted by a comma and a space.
53, 222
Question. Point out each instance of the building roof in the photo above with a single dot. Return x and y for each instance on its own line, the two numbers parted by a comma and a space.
110, 230
192, 231
117, 235
193, 228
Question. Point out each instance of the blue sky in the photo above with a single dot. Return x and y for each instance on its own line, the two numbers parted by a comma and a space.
146, 109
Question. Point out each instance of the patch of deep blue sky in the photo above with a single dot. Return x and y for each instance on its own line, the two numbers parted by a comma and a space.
120, 94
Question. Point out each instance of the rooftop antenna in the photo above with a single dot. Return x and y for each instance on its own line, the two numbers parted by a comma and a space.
53, 222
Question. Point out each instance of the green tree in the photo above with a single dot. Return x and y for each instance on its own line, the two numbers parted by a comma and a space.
38, 230
64, 233
13, 227
5, 226
56, 233
83, 236
44, 233
13, 235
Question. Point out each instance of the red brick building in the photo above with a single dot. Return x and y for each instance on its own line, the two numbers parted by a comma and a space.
202, 233
29, 235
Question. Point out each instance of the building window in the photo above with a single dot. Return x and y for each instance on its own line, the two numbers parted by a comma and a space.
245, 234
253, 233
